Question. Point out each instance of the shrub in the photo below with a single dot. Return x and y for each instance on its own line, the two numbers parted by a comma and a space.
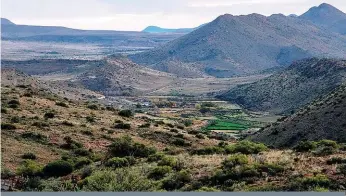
86, 172
67, 123
13, 102
93, 107
29, 168
307, 183
336, 160
71, 144
81, 152
125, 146
29, 155
62, 104
146, 125
87, 132
6, 126
6, 173
305, 146
324, 150
155, 157
49, 115
246, 147
209, 150
200, 136
328, 143
177, 180
3, 110
174, 130
168, 161
122, 126
117, 162
40, 124
119, 180
81, 162
160, 172
126, 113
342, 169
38, 137
15, 119
90, 119
180, 127
187, 122
234, 160
271, 168
180, 142
58, 168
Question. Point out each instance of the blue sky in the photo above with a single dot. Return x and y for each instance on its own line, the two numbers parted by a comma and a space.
137, 14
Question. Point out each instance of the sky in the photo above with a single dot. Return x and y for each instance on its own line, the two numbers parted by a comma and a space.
135, 15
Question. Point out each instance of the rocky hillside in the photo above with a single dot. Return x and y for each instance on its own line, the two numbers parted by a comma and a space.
287, 90
328, 17
235, 45
323, 119
119, 76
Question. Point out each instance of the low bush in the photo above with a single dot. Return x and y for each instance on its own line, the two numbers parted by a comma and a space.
119, 180
29, 168
67, 123
81, 162
37, 137
87, 132
177, 180
146, 125
336, 160
29, 155
126, 113
168, 161
125, 146
15, 119
13, 102
309, 183
49, 115
90, 119
62, 104
246, 147
180, 142
117, 162
156, 157
58, 168
342, 169
209, 150
160, 172
7, 126
234, 160
81, 152
93, 107
71, 144
122, 126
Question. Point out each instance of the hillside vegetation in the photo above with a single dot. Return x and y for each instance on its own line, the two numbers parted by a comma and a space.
292, 88
324, 118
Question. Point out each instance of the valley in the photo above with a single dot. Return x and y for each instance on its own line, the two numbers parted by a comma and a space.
242, 103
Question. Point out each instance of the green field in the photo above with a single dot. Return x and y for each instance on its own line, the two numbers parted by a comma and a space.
226, 125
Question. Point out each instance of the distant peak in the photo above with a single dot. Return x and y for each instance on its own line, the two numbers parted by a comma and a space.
5, 21
326, 5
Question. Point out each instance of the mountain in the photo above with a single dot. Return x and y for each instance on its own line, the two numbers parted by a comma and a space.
238, 45
5, 21
323, 119
328, 17
291, 88
32, 33
155, 29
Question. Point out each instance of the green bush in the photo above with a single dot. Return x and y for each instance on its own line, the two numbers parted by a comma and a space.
168, 161
180, 142
271, 168
328, 143
29, 168
119, 180
146, 125
209, 150
90, 119
6, 173
342, 169
122, 126
6, 126
177, 180
125, 146
87, 132
305, 146
117, 162
58, 168
62, 104
15, 119
29, 155
126, 113
49, 115
67, 123
81, 162
37, 137
308, 183
156, 157
234, 160
160, 172
187, 122
13, 102
81, 152
71, 144
93, 107
336, 160
246, 147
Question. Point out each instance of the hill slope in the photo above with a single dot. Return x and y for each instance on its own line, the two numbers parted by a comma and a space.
5, 21
328, 17
324, 119
236, 45
156, 29
291, 88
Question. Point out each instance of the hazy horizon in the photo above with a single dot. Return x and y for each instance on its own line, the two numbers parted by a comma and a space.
135, 15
